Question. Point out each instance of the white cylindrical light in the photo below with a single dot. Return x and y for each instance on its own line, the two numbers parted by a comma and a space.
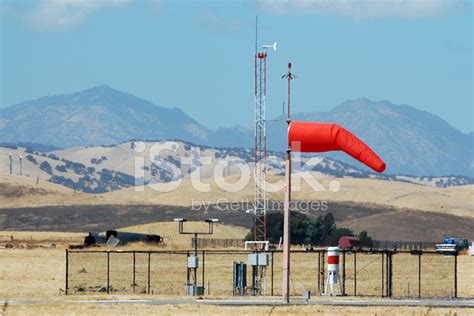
333, 259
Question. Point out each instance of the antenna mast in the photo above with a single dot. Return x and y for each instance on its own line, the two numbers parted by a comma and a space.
260, 169
260, 233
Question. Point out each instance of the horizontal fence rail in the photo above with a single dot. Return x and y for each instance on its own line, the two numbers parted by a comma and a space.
403, 245
378, 273
218, 242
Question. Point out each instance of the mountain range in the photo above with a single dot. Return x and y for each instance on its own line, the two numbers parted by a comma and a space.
100, 169
411, 141
96, 116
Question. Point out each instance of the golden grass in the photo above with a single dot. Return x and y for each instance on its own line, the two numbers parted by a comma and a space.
455, 201
40, 237
23, 192
40, 272
46, 267
37, 274
169, 230
172, 310
31, 272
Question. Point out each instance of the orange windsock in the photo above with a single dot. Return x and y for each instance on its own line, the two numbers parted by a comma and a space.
321, 137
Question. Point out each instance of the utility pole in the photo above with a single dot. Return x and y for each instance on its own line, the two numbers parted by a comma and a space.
21, 165
11, 166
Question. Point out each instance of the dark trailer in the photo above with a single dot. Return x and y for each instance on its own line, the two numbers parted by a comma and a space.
124, 238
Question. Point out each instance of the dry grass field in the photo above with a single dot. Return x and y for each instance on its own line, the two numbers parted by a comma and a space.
16, 191
455, 200
38, 273
192, 309
388, 210
168, 274
30, 270
39, 238
169, 230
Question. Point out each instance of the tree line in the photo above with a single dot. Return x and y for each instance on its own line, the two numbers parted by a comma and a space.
321, 231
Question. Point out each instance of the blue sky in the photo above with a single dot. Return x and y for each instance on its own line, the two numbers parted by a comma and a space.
198, 55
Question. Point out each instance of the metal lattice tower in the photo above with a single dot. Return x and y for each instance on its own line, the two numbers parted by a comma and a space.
260, 202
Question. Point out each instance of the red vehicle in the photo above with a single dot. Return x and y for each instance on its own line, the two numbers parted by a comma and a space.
347, 242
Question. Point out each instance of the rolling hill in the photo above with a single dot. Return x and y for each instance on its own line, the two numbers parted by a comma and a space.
99, 169
388, 210
456, 201
17, 191
21, 191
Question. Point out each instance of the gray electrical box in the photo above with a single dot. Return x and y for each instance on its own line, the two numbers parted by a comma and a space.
192, 262
258, 259
192, 290
199, 290
307, 295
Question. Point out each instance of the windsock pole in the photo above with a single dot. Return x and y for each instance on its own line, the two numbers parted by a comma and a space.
286, 215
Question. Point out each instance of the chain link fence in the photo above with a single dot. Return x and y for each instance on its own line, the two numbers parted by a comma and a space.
381, 273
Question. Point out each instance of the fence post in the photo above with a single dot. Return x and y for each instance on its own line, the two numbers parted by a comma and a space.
387, 274
319, 272
108, 272
323, 262
382, 277
343, 272
187, 273
67, 272
272, 271
149, 269
203, 266
355, 273
390, 274
134, 284
456, 275
419, 275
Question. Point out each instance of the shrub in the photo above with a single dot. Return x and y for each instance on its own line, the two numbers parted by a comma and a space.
31, 159
46, 167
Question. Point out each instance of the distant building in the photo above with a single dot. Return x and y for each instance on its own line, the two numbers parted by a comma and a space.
347, 242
